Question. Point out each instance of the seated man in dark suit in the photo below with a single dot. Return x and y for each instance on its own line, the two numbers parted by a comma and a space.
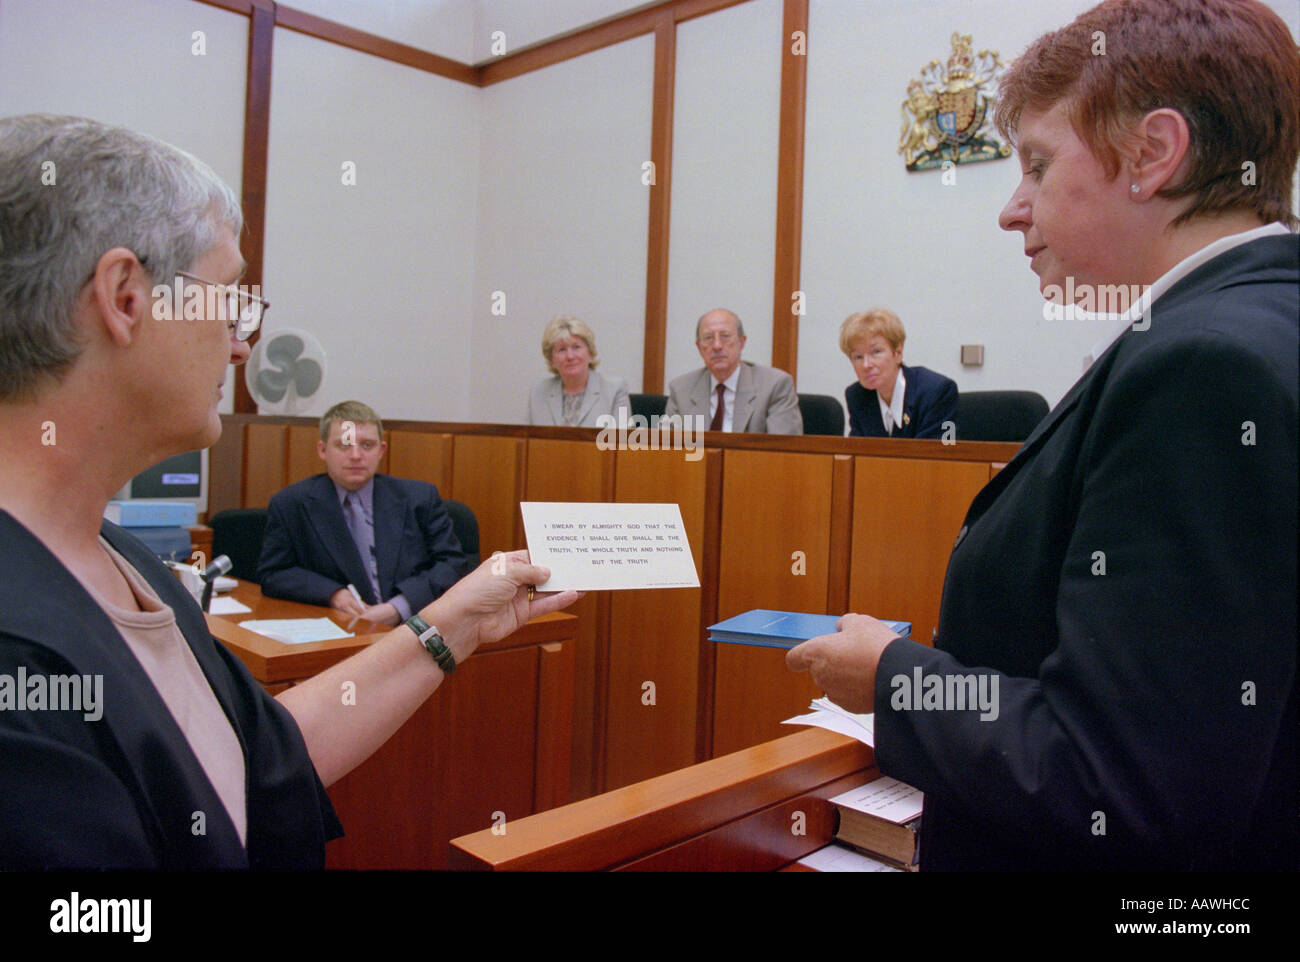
890, 399
364, 543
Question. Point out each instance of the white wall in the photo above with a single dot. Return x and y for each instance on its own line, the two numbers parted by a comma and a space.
562, 219
726, 119
876, 235
90, 58
379, 270
533, 186
444, 27
526, 22
463, 29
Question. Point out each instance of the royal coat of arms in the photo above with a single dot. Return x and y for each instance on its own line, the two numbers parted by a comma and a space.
947, 114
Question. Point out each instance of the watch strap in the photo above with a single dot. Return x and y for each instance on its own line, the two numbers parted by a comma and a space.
432, 642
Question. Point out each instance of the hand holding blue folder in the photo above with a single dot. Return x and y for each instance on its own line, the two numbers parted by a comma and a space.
783, 629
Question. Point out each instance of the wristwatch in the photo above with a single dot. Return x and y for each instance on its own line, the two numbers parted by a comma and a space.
432, 641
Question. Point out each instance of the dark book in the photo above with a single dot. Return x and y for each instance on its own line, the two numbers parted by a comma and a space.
883, 819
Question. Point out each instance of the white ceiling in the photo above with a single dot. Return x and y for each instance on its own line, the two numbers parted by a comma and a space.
463, 29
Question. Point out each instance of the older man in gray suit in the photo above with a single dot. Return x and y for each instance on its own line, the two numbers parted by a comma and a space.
734, 395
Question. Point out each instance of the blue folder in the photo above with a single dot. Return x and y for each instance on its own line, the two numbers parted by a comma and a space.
782, 629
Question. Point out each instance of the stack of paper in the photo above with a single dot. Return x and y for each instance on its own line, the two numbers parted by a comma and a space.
838, 858
826, 714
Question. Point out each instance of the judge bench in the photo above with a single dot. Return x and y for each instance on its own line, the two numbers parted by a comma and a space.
814, 524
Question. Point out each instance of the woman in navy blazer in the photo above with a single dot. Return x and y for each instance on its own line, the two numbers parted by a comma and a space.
576, 396
1125, 586
873, 342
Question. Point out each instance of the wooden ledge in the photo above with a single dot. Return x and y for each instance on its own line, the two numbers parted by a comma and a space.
629, 823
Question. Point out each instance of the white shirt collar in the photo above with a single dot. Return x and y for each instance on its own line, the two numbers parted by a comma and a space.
1175, 274
732, 380
895, 405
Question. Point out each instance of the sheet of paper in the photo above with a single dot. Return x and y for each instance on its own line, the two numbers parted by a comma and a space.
593, 546
885, 798
867, 721
296, 631
832, 721
227, 606
838, 858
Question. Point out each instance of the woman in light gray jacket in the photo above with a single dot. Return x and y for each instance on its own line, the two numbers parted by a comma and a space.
576, 395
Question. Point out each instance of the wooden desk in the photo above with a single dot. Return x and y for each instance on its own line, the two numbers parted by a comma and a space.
494, 738
277, 665
817, 524
758, 809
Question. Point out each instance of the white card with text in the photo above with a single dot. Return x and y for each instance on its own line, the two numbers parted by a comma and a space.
593, 546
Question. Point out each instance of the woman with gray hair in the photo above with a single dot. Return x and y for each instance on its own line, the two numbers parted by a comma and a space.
102, 374
575, 395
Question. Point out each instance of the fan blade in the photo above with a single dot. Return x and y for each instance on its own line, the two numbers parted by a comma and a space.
307, 376
284, 349
271, 385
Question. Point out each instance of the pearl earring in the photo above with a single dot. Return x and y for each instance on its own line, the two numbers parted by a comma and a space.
1135, 188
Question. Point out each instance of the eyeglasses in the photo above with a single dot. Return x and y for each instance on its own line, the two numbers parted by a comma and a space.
243, 311
721, 337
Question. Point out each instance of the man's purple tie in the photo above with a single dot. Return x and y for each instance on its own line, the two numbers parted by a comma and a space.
355, 515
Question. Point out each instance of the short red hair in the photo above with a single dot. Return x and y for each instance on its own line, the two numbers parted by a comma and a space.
1230, 67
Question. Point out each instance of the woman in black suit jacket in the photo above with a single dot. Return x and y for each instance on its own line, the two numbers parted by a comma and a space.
873, 343
1125, 588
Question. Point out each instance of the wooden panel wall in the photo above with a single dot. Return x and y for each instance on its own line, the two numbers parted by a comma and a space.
579, 471
421, 457
226, 470
906, 515
776, 524
488, 475
264, 464
655, 636
487, 747
873, 519
304, 461
556, 696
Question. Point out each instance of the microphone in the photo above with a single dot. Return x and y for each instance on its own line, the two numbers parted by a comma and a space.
221, 565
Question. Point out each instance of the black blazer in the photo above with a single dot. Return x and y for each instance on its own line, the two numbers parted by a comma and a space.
929, 399
1130, 579
121, 791
308, 552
